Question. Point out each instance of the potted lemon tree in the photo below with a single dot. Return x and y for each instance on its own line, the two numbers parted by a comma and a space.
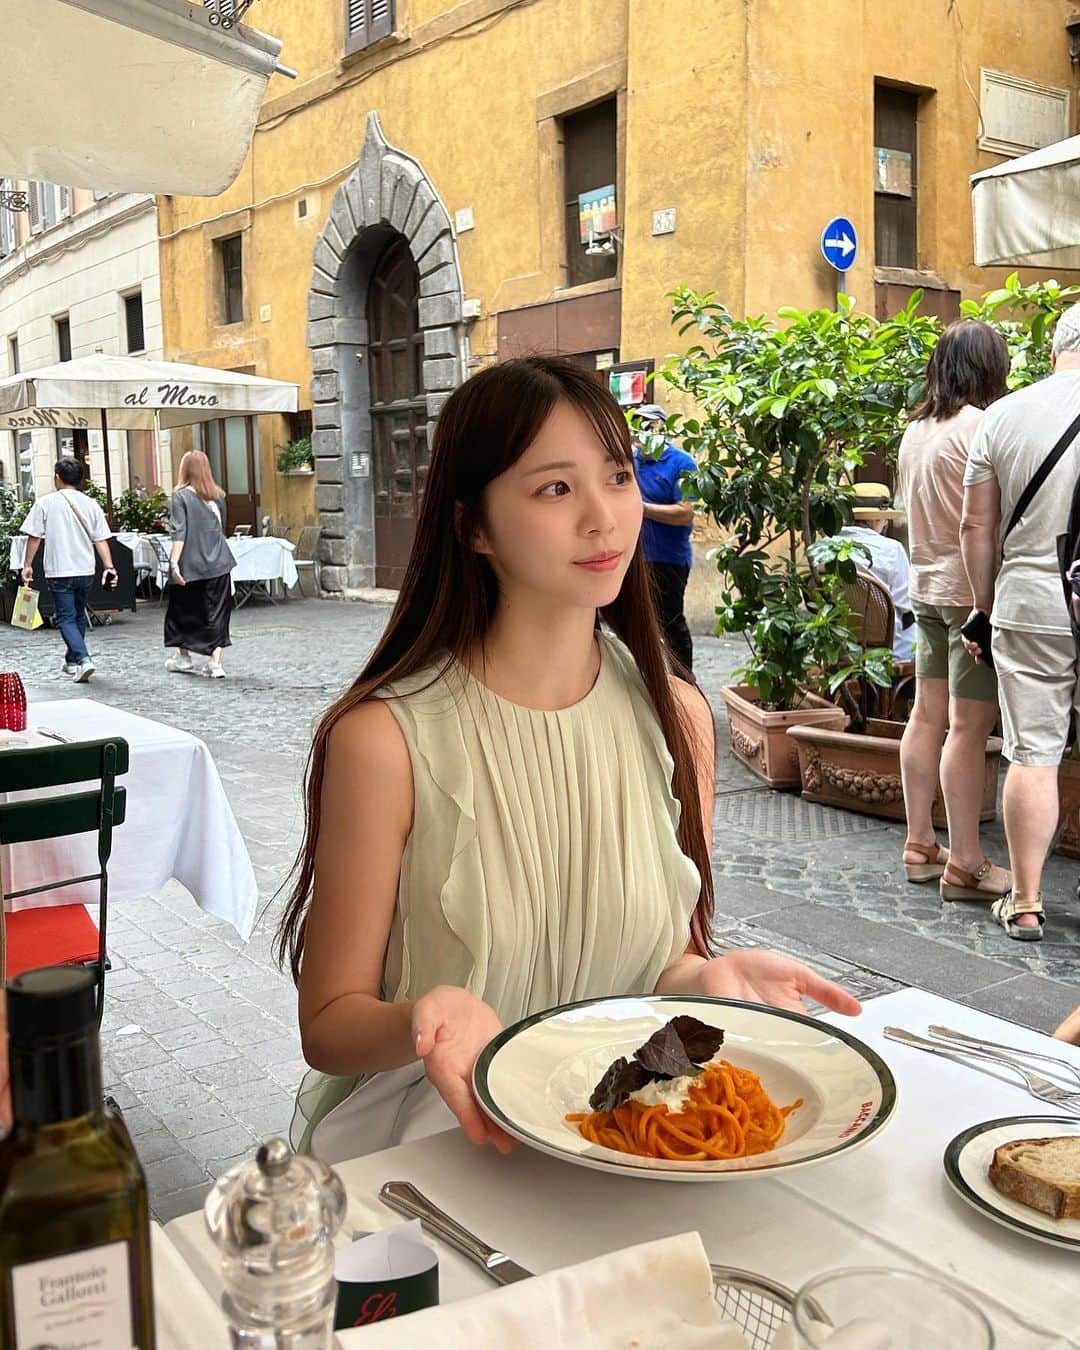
786, 413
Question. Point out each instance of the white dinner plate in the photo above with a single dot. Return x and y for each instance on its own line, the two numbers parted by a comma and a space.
536, 1072
967, 1166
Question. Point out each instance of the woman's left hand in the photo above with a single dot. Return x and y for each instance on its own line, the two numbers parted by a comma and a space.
759, 976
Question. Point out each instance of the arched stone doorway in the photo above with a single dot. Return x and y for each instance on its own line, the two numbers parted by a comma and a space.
386, 259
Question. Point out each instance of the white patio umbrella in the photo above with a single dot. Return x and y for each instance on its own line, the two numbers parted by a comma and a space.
131, 95
1027, 210
129, 393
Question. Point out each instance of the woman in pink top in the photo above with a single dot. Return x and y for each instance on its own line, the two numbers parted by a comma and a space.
967, 373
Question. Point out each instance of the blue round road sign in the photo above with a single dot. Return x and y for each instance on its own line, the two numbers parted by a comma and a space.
839, 243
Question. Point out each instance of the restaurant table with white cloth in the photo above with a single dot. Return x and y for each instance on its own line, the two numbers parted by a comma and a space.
887, 1203
261, 560
179, 823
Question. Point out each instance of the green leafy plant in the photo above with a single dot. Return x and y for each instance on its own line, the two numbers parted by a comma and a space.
13, 511
142, 513
786, 414
295, 455
98, 494
1025, 316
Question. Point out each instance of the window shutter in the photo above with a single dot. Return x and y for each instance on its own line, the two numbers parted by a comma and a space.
366, 21
36, 213
66, 202
382, 19
356, 25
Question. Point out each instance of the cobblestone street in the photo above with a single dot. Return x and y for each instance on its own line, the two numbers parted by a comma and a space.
200, 1039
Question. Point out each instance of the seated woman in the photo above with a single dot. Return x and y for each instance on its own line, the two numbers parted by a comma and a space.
510, 809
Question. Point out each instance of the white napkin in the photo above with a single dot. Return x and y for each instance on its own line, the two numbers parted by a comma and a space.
652, 1297
861, 1334
186, 1317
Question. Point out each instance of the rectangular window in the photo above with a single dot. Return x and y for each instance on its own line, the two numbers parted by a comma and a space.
366, 21
63, 339
7, 223
589, 167
133, 318
896, 177
13, 356
230, 252
37, 209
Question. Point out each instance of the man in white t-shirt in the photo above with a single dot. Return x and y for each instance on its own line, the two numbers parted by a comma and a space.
1033, 648
73, 527
888, 559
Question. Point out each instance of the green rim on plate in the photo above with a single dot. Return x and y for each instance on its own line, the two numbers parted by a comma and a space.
985, 1204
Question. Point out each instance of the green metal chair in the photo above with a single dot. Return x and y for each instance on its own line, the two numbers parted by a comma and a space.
53, 816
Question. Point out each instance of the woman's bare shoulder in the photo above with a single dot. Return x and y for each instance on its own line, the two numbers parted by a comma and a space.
369, 736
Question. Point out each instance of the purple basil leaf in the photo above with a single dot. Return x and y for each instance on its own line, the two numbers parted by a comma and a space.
663, 1054
622, 1078
700, 1041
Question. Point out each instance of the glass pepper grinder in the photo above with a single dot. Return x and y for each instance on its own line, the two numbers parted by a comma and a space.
274, 1221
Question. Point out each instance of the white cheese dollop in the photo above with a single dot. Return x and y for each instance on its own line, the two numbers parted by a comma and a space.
673, 1093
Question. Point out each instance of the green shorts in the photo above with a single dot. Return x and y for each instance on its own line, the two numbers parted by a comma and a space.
940, 653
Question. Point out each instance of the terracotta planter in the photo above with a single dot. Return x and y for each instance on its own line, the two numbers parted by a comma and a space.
861, 770
1069, 792
759, 739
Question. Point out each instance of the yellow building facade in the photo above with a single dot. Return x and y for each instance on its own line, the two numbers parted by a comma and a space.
447, 184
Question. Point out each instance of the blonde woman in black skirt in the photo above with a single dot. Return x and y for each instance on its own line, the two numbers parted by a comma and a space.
200, 590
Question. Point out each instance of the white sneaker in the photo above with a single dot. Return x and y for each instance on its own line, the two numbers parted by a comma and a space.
70, 667
83, 671
182, 664
213, 671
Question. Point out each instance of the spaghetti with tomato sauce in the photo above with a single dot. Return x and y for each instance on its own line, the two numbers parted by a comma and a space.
727, 1114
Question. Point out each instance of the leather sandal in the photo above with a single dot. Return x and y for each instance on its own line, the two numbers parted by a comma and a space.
970, 885
936, 860
1008, 908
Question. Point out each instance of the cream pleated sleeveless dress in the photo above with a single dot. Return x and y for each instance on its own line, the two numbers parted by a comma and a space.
543, 867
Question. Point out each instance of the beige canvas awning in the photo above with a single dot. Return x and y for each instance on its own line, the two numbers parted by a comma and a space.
1027, 210
129, 95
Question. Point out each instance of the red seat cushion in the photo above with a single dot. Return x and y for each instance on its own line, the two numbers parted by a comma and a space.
51, 935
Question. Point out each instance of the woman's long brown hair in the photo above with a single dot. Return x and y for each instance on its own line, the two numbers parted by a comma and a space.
449, 595
195, 472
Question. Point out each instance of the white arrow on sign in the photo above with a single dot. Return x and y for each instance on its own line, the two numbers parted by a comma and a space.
845, 244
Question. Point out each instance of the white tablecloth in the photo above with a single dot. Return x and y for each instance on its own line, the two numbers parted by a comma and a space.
144, 555
179, 822
887, 1203
263, 558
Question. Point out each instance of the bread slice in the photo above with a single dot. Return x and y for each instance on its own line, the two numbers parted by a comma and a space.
1043, 1174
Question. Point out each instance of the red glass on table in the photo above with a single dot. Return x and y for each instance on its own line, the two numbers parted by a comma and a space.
12, 702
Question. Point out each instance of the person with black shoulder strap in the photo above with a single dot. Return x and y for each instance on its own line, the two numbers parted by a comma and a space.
1021, 471
74, 528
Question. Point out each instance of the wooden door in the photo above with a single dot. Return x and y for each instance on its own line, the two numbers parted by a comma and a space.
229, 444
398, 409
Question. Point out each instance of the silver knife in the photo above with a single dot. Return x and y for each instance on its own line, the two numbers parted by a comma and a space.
404, 1198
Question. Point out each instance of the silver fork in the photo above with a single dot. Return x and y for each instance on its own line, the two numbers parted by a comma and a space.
1039, 1087
1061, 1066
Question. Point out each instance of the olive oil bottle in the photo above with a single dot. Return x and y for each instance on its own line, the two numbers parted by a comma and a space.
74, 1218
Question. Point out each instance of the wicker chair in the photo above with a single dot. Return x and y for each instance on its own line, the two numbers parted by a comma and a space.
306, 556
873, 624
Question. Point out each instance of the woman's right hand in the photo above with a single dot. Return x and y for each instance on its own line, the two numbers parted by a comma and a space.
450, 1027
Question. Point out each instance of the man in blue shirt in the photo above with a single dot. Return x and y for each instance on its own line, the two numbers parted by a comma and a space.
669, 520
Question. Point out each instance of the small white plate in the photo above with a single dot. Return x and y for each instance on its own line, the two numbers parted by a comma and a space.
967, 1166
534, 1073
